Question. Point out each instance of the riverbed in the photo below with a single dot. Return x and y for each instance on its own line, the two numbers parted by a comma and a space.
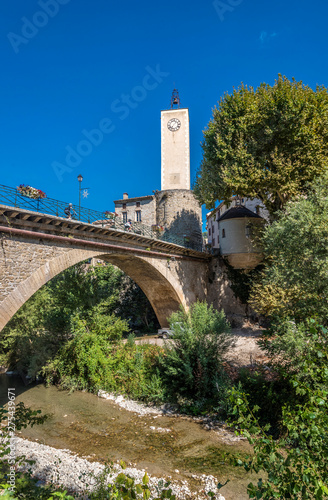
100, 430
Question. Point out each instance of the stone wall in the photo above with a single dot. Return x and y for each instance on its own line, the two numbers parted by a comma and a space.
19, 260
221, 296
178, 211
147, 208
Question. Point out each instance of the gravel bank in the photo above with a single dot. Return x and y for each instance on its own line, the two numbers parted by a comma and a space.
166, 410
64, 468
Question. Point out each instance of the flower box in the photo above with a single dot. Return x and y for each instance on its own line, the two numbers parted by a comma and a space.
110, 215
157, 228
31, 192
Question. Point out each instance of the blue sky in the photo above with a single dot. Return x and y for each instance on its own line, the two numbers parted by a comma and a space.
72, 66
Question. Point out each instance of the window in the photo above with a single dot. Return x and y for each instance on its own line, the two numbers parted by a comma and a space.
223, 233
209, 231
213, 229
138, 204
138, 216
125, 216
124, 206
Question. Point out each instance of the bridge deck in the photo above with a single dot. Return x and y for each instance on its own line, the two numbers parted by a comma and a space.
43, 224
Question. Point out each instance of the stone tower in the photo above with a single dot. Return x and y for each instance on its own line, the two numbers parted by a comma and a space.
176, 207
175, 147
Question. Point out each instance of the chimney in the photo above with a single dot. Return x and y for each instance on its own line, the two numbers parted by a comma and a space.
125, 196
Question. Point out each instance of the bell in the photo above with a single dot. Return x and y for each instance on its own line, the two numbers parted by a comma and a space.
175, 100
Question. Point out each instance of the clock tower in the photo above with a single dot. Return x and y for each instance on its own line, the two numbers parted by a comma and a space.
175, 147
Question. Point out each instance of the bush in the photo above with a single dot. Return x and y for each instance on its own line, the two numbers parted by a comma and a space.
95, 359
191, 366
295, 465
269, 394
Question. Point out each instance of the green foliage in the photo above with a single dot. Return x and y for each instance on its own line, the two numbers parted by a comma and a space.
294, 282
134, 306
124, 487
295, 464
267, 393
91, 360
272, 140
44, 323
191, 366
241, 282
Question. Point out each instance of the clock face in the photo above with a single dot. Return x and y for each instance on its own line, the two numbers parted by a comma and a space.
174, 124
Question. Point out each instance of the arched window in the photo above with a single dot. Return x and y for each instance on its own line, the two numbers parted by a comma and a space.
223, 233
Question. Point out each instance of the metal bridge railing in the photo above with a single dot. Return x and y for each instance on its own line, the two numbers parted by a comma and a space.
13, 198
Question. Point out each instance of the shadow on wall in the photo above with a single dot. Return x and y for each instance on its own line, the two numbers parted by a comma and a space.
193, 277
187, 225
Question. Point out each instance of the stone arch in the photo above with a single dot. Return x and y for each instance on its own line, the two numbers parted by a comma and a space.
159, 285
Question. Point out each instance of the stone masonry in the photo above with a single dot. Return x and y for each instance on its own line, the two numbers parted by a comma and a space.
128, 208
178, 211
36, 247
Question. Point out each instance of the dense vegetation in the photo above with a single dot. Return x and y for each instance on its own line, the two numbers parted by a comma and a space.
101, 298
294, 282
192, 368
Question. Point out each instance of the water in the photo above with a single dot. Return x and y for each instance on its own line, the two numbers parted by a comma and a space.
101, 430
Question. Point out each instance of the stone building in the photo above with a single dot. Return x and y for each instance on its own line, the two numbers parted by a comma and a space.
137, 209
174, 208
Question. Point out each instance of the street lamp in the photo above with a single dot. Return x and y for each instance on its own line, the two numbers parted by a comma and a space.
80, 179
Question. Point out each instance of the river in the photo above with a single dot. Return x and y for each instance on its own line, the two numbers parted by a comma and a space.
100, 429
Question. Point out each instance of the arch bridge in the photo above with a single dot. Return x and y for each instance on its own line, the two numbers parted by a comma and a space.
35, 247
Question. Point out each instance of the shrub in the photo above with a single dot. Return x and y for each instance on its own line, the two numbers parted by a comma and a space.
191, 366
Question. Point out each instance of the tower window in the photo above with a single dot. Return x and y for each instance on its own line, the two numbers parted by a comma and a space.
125, 216
138, 216
124, 206
138, 204
223, 233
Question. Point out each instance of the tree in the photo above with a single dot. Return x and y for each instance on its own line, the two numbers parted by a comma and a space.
294, 282
267, 143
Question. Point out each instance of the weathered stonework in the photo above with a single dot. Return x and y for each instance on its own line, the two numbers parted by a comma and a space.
178, 211
146, 205
221, 296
